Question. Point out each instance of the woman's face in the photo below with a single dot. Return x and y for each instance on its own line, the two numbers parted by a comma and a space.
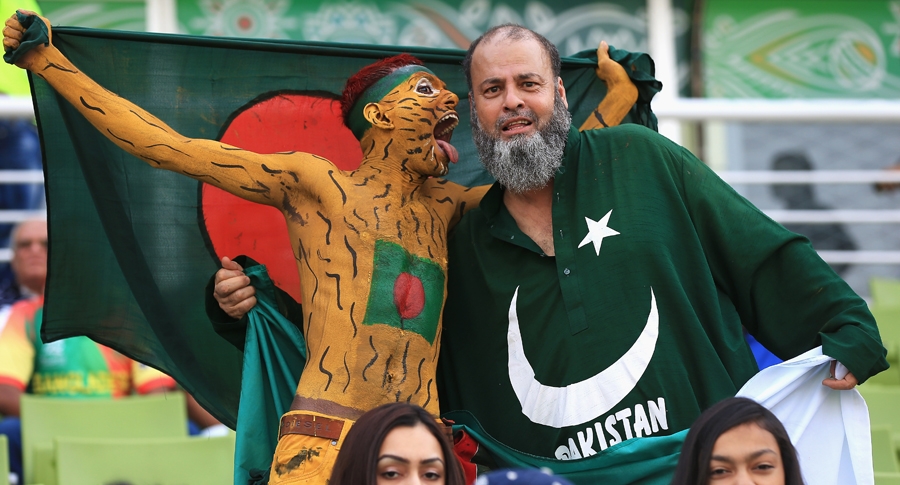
746, 454
410, 455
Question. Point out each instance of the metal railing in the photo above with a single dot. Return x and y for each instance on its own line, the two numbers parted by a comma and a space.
679, 110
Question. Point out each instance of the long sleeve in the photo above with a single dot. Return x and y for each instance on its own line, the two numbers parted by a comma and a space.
785, 294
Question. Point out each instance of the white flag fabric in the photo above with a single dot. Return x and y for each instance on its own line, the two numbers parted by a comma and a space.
829, 428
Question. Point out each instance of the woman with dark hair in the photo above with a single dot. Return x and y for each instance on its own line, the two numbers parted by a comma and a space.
737, 441
396, 443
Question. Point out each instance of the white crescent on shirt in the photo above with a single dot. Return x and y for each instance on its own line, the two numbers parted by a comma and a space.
829, 428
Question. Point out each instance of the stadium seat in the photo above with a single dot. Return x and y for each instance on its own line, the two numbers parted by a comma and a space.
883, 402
44, 419
885, 292
887, 478
4, 460
888, 319
157, 461
884, 454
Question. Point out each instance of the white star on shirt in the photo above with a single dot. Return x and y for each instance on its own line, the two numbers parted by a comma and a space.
597, 230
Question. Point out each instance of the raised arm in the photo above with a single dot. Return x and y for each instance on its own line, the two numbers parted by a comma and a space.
252, 176
620, 96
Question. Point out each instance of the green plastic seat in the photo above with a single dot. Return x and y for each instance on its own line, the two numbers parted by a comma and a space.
45, 418
885, 292
4, 460
158, 461
888, 319
883, 403
884, 454
882, 478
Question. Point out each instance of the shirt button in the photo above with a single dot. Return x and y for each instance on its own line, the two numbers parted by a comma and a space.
566, 271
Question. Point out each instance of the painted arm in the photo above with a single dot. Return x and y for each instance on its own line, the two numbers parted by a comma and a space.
620, 96
467, 198
248, 175
453, 196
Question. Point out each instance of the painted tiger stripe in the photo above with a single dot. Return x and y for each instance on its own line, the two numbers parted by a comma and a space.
147, 122
336, 184
347, 369
90, 107
372, 362
352, 255
337, 282
387, 376
328, 232
322, 368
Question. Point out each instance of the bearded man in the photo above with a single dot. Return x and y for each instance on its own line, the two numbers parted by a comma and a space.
599, 289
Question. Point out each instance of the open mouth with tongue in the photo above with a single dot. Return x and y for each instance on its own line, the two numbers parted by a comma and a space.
443, 131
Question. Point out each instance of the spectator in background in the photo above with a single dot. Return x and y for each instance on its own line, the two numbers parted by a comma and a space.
28, 245
737, 441
19, 150
72, 367
889, 186
396, 443
801, 197
822, 236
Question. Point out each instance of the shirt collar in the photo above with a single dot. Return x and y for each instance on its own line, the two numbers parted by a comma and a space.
501, 223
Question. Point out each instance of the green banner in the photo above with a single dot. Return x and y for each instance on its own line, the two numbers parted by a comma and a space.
573, 25
133, 247
802, 49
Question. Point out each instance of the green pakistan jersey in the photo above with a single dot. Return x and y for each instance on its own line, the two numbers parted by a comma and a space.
634, 326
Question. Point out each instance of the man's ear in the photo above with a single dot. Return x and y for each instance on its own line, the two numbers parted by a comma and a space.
375, 114
562, 91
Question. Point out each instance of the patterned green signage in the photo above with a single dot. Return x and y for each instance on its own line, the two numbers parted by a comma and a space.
802, 49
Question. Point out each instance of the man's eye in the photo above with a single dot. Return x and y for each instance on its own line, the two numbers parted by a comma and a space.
493, 90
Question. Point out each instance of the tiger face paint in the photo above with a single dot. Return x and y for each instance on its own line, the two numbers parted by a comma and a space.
419, 116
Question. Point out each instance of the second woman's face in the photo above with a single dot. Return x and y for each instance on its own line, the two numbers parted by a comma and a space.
410, 456
746, 454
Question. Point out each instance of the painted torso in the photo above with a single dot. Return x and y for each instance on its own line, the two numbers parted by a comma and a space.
373, 282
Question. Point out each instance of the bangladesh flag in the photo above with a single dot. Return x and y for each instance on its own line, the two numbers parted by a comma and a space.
132, 247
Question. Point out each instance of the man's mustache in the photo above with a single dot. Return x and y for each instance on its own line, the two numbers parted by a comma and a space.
518, 113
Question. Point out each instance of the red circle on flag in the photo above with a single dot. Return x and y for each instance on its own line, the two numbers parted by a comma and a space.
276, 122
409, 296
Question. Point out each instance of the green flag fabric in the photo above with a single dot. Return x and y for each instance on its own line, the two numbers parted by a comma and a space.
274, 356
638, 461
132, 247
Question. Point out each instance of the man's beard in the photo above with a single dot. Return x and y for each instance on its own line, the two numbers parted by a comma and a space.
524, 162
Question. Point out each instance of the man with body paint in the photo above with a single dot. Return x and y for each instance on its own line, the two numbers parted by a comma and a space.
370, 244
